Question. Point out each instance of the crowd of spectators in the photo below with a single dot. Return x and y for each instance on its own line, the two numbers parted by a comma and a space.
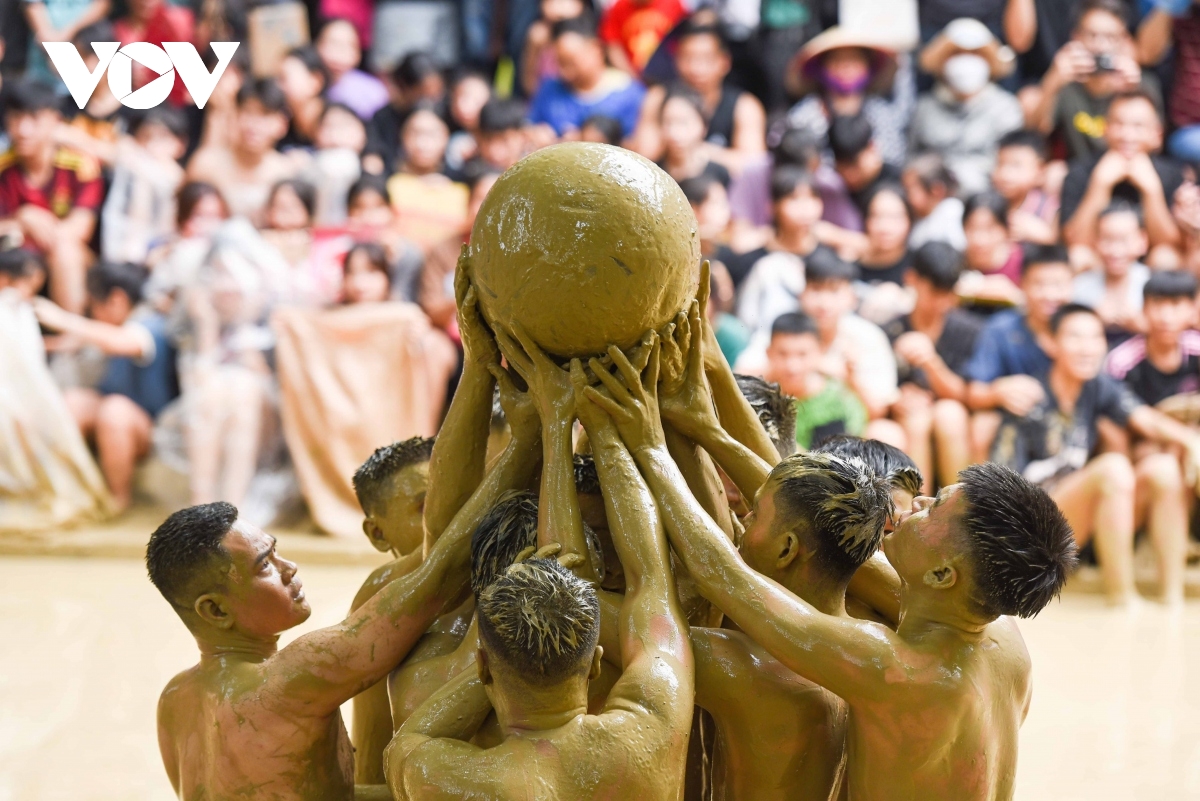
983, 246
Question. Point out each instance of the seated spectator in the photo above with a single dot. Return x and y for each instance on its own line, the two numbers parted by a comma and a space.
1011, 352
887, 258
1165, 361
825, 406
858, 160
429, 206
586, 85
1097, 64
965, 115
632, 30
842, 75
993, 258
138, 377
340, 49
1018, 177
1103, 497
245, 171
334, 166
1177, 23
96, 128
366, 278
287, 223
500, 137
417, 80
933, 344
221, 110
602, 129
537, 57
1129, 170
685, 153
736, 120
22, 273
436, 288
199, 212
470, 93
49, 195
937, 211
155, 21
303, 79
370, 218
1114, 290
710, 204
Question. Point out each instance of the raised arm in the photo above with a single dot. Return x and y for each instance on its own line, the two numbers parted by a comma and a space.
322, 670
114, 340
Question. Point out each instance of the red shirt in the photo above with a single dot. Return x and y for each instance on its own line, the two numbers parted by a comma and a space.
639, 27
1185, 96
74, 184
168, 24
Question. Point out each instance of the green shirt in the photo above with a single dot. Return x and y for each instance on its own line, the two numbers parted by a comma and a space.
833, 410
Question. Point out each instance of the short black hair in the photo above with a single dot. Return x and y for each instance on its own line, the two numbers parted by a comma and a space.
787, 178
889, 462
939, 264
1040, 255
776, 410
890, 188
1123, 207
338, 106
19, 263
824, 265
697, 188
584, 25
414, 69
1019, 543
992, 202
367, 183
1118, 8
849, 137
1025, 137
1170, 284
681, 91
1069, 310
930, 170
508, 528
798, 147
693, 27
795, 323
311, 59
186, 542
189, 197
587, 480
107, 276
28, 95
609, 127
268, 94
373, 478
1136, 94
169, 117
501, 114
305, 190
102, 31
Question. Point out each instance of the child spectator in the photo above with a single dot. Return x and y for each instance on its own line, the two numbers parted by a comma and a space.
199, 212
991, 254
1115, 289
632, 30
370, 218
933, 344
139, 212
429, 206
138, 377
334, 166
858, 160
469, 95
340, 49
602, 129
246, 170
436, 288
585, 84
824, 406
417, 79
96, 128
366, 278
685, 153
887, 258
501, 137
710, 204
1165, 361
22, 272
937, 211
537, 57
303, 79
1018, 177
48, 194
1103, 497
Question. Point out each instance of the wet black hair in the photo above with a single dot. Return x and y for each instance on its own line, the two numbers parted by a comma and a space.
187, 542
775, 409
887, 461
372, 480
508, 528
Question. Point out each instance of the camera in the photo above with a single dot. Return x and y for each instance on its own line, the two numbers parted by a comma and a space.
1105, 63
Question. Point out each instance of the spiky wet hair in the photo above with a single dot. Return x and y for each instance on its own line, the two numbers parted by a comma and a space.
508, 528
587, 480
540, 620
775, 409
1020, 545
887, 461
371, 480
187, 542
843, 501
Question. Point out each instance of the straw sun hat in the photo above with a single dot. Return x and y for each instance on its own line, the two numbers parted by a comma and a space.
803, 74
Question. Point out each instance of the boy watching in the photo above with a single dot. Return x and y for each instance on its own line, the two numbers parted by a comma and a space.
858, 160
501, 138
49, 194
1165, 361
1018, 176
933, 344
1115, 290
22, 271
1102, 497
139, 373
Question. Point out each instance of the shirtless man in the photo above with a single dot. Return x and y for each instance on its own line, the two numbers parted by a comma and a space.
251, 720
935, 706
538, 627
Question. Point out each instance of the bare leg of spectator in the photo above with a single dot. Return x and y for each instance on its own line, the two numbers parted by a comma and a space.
914, 413
122, 438
888, 431
83, 404
1162, 503
68, 268
1098, 501
951, 439
984, 426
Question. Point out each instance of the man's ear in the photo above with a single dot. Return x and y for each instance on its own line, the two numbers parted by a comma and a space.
212, 609
941, 578
791, 549
481, 664
375, 535
594, 671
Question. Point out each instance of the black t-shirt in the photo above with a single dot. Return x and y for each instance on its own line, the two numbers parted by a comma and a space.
937, 14
740, 264
1080, 117
1054, 21
892, 272
954, 346
1047, 443
1170, 172
889, 174
1129, 363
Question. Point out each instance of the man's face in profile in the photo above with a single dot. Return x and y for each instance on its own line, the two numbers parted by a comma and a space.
263, 594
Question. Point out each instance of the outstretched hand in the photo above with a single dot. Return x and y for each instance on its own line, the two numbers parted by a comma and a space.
522, 415
632, 400
549, 384
686, 399
479, 348
567, 560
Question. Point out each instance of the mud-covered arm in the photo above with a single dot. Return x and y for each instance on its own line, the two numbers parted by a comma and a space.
877, 585
458, 461
320, 671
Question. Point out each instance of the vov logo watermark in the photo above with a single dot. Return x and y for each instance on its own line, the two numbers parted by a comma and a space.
165, 61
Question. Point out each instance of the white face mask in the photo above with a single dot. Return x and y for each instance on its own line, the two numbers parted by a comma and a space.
966, 73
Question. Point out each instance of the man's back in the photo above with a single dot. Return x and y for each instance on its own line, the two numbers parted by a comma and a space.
948, 727
221, 738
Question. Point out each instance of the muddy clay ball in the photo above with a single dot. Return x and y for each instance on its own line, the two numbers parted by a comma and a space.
584, 245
